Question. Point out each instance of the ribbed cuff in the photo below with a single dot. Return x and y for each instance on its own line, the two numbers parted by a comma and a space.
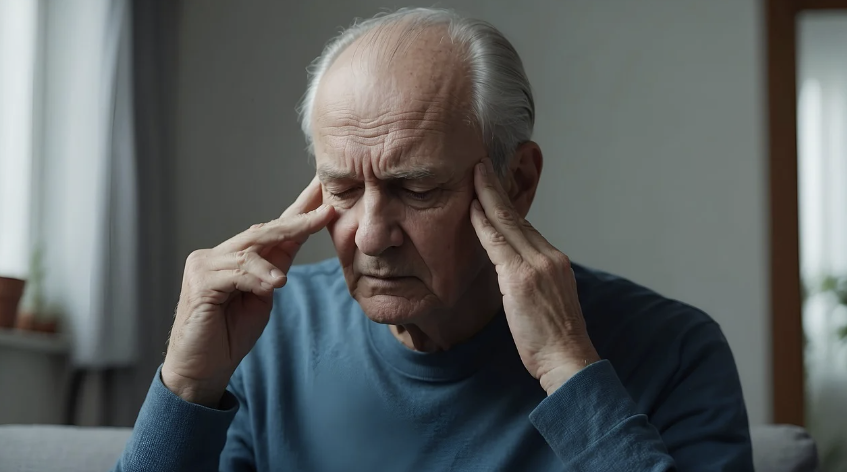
173, 434
583, 410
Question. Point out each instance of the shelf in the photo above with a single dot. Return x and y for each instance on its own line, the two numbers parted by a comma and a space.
34, 341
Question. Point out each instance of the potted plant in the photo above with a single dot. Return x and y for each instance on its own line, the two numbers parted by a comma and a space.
33, 315
11, 291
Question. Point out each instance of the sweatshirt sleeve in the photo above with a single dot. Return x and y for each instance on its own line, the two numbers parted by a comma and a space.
172, 435
593, 424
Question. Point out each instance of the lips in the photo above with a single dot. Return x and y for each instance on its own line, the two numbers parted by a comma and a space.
385, 276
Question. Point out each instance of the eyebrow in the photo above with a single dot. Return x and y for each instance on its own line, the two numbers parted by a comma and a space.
414, 173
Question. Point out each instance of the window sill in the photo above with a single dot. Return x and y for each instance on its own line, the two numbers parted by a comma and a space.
34, 341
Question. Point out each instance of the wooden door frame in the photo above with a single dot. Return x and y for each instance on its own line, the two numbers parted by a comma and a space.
785, 285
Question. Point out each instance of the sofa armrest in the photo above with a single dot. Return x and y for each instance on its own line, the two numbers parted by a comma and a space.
783, 448
60, 448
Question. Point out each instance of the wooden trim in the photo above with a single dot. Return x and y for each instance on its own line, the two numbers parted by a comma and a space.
785, 294
821, 5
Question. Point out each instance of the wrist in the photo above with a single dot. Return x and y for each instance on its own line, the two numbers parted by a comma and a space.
191, 390
553, 379
564, 367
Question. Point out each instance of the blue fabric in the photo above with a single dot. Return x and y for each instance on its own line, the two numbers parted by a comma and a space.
326, 389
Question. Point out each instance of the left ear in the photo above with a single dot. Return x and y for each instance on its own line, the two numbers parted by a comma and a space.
522, 176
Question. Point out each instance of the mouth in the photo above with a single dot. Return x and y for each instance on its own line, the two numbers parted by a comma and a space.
386, 277
381, 279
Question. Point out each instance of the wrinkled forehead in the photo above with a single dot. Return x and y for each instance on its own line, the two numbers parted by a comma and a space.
395, 98
398, 125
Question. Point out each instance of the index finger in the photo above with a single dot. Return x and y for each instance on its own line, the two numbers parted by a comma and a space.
498, 209
309, 199
294, 228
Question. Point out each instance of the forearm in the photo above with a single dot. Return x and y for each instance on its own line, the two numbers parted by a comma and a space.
592, 424
171, 434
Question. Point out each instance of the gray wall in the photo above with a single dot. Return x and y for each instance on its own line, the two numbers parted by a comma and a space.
650, 113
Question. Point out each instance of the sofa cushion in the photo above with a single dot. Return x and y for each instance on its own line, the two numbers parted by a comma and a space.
783, 448
39, 448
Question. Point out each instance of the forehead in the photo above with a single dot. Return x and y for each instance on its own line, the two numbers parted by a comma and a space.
398, 130
406, 110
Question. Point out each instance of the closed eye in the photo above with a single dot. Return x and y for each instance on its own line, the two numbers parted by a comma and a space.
420, 196
345, 194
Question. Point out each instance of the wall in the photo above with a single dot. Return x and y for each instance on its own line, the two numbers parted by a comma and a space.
650, 113
35, 376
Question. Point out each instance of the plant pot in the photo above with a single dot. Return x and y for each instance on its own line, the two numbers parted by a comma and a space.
11, 291
29, 321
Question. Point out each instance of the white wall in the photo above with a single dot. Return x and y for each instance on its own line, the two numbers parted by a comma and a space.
650, 113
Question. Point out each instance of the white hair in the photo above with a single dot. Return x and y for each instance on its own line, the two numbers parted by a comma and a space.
501, 99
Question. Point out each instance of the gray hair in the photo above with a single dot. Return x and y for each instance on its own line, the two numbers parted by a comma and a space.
501, 99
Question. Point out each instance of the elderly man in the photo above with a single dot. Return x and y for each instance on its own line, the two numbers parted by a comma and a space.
448, 334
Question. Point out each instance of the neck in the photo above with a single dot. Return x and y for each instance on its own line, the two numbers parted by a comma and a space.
443, 329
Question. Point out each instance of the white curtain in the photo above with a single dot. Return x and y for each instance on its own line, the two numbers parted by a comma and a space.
83, 183
18, 33
822, 172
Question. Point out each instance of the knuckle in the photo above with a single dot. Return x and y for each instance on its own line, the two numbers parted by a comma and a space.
486, 223
506, 215
242, 257
533, 277
308, 217
562, 260
195, 258
495, 237
297, 221
248, 283
545, 265
553, 263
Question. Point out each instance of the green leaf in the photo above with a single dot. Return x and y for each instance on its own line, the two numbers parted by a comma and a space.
829, 283
841, 291
842, 333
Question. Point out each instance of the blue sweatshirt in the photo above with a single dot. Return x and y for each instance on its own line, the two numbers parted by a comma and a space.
326, 389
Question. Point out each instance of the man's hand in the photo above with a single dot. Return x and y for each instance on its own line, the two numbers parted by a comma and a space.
538, 286
227, 295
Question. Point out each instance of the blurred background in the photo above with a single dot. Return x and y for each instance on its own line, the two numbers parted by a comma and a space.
133, 132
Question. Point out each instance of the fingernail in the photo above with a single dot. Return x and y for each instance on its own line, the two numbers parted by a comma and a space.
276, 273
481, 168
476, 205
489, 166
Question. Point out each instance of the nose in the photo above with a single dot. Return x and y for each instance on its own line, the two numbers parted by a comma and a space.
378, 228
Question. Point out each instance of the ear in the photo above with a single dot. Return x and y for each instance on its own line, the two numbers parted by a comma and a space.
522, 176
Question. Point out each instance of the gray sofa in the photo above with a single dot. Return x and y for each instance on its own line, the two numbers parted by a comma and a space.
69, 449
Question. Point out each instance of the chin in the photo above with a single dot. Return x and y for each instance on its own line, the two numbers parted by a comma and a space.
390, 309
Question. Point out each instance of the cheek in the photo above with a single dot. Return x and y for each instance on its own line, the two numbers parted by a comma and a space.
446, 242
